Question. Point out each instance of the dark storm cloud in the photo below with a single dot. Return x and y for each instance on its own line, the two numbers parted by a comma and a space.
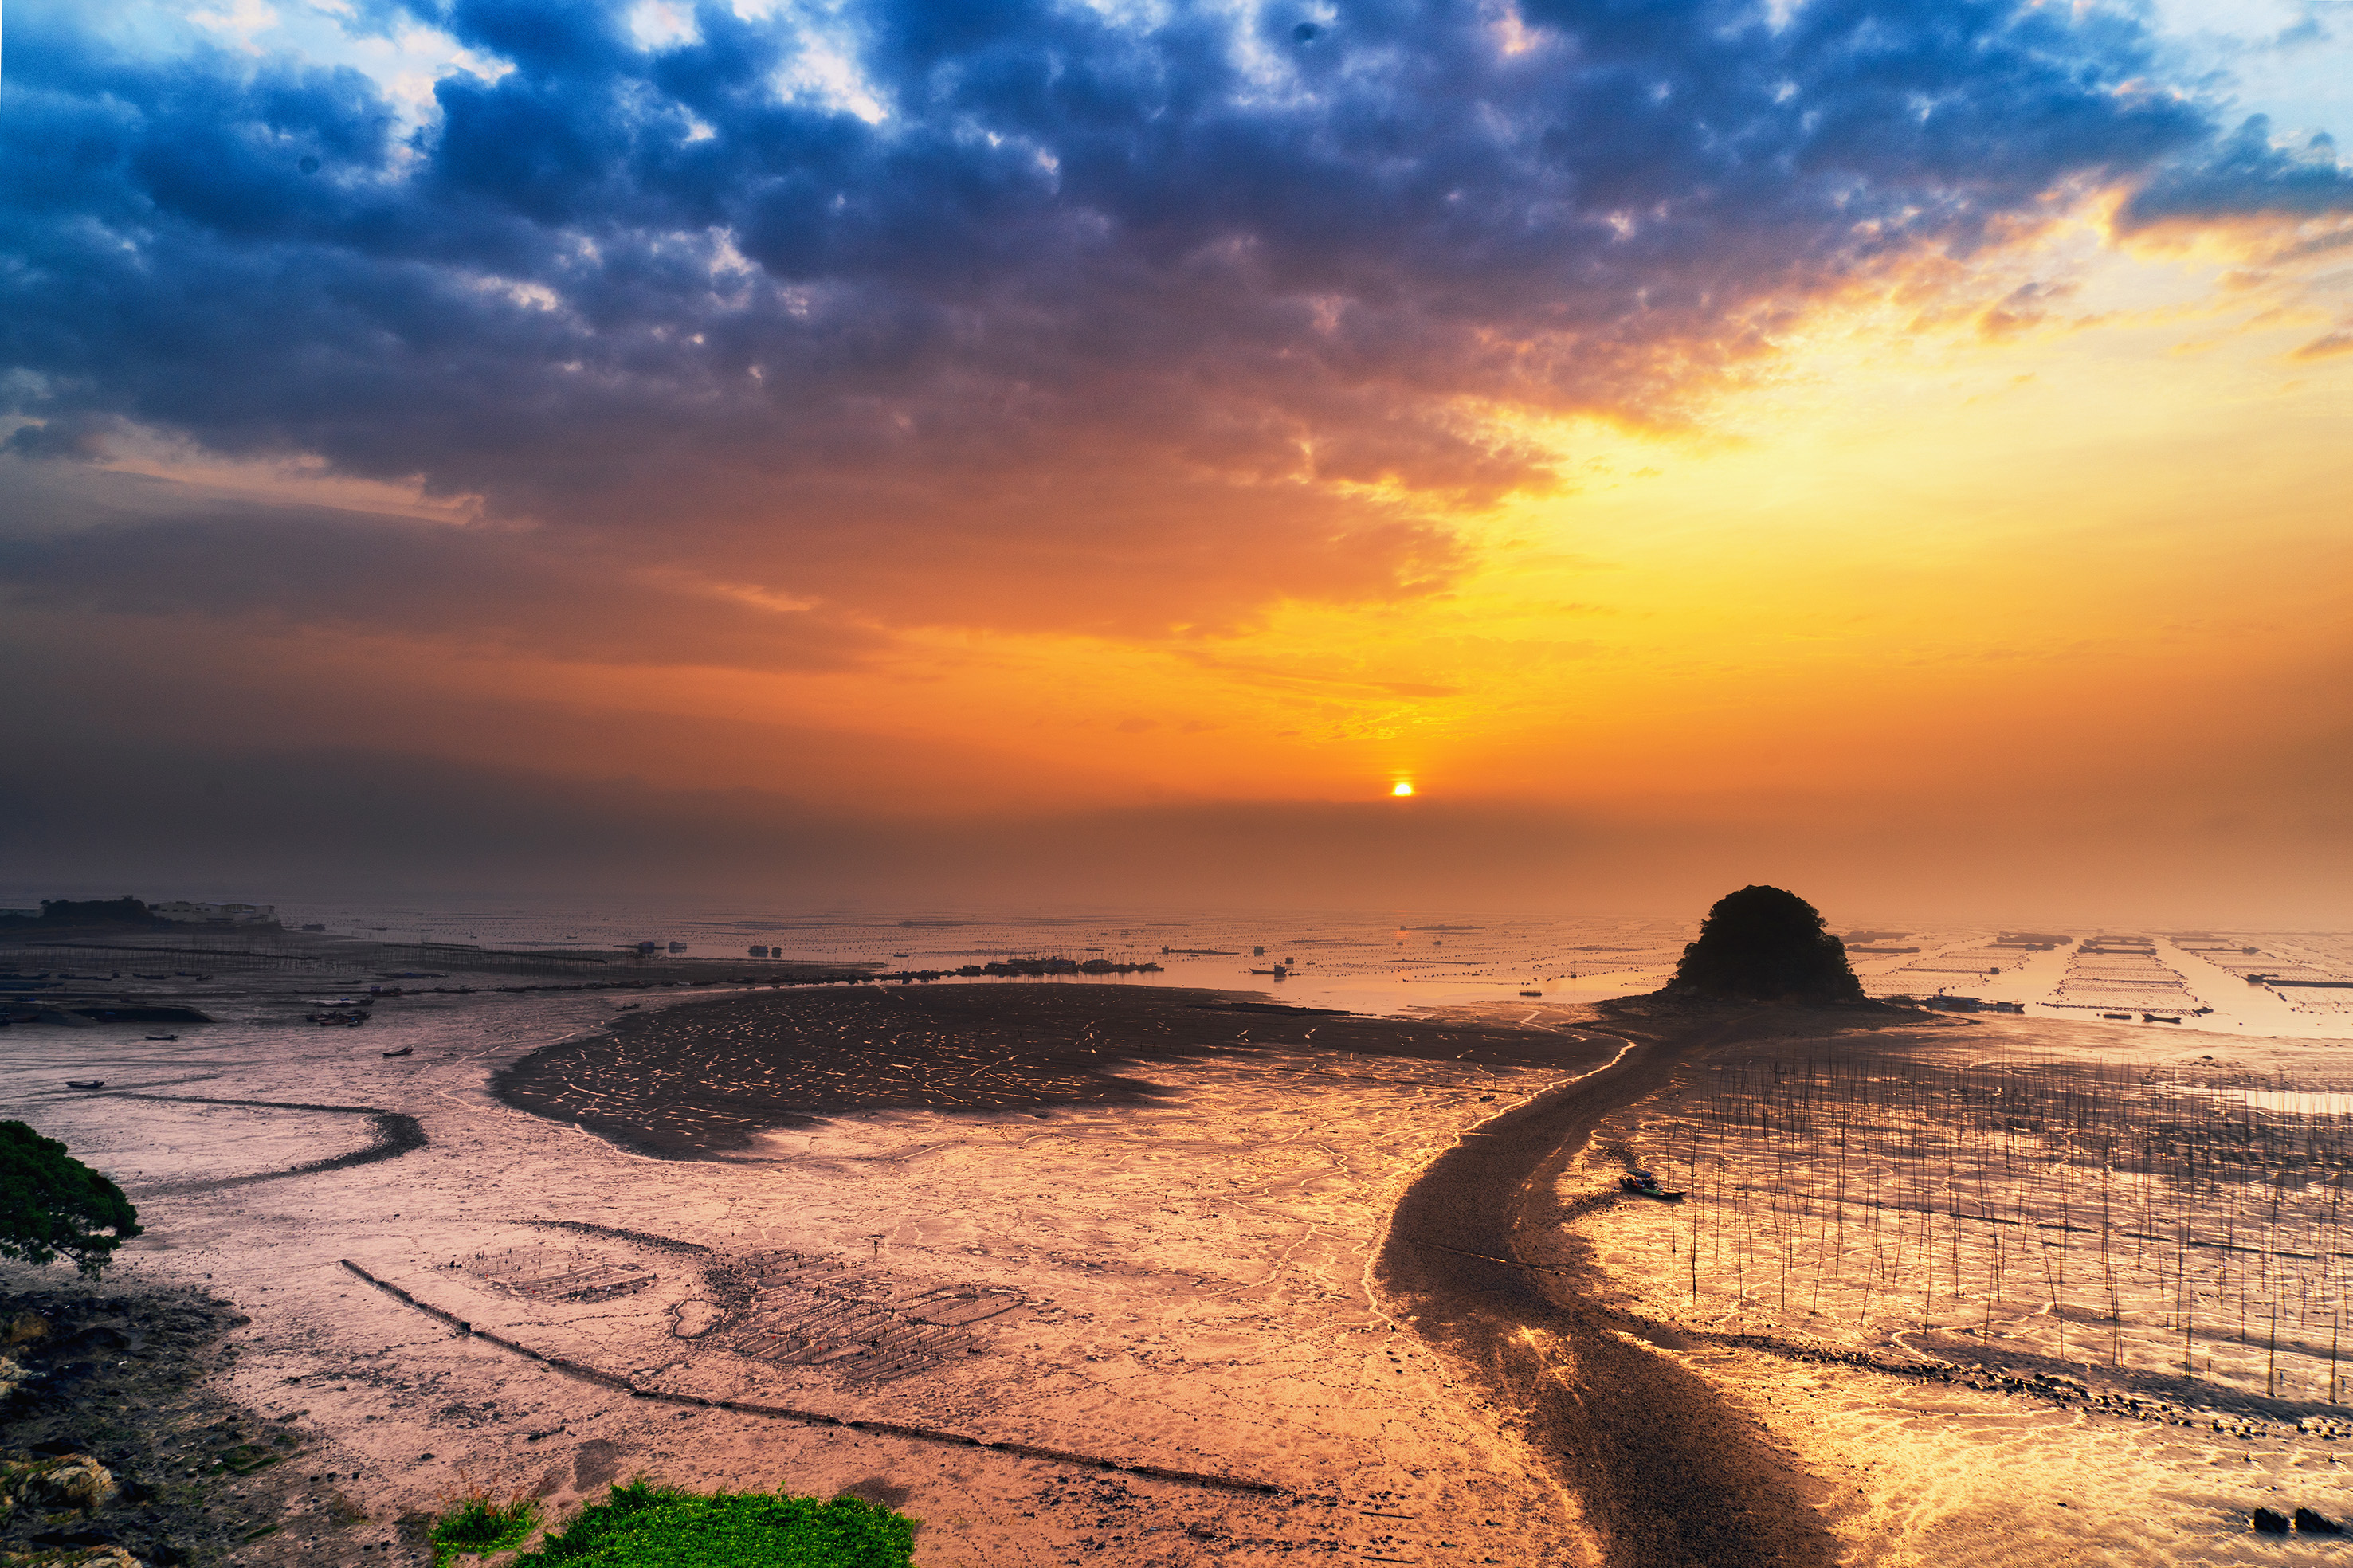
2247, 174
1104, 322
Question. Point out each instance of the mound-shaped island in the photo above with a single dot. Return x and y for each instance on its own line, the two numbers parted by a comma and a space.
1765, 944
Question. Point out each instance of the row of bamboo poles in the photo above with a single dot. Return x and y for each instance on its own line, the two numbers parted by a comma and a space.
2101, 1214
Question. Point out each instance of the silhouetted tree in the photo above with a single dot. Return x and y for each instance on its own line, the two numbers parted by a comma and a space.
1765, 944
123, 911
53, 1205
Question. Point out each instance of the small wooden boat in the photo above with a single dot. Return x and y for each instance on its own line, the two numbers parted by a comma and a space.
1531, 993
84, 1083
404, 1051
1643, 1184
162, 1036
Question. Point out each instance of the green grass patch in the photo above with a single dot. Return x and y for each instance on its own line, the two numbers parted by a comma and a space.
479, 1526
644, 1526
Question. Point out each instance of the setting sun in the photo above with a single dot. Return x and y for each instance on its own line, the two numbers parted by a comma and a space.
1402, 788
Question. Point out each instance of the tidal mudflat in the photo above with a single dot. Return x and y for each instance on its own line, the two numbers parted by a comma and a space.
2009, 1291
1118, 1273
713, 1078
1131, 1327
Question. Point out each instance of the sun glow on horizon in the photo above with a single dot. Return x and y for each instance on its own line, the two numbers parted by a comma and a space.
1402, 788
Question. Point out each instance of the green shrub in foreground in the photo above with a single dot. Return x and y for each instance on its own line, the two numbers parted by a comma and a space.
644, 1526
479, 1526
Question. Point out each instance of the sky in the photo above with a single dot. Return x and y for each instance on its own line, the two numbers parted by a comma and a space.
896, 454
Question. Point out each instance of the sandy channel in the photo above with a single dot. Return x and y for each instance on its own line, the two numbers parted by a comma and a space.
1176, 1286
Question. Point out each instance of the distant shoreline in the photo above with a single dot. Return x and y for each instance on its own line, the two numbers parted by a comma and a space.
144, 966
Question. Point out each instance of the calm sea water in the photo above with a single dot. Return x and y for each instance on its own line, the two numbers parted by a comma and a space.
1390, 961
1380, 962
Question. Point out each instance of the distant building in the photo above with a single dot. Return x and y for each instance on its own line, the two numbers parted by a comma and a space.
678, 947
759, 952
32, 914
184, 912
649, 947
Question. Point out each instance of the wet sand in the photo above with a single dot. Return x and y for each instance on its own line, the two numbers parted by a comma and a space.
1180, 1194
1181, 1265
1672, 1472
705, 1079
1173, 1197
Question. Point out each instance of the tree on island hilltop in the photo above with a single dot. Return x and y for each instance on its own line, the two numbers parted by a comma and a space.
1765, 944
53, 1205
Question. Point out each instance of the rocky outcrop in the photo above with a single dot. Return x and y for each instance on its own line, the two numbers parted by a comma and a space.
52, 1486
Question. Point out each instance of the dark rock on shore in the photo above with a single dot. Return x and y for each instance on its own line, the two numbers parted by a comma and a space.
110, 1436
2312, 1523
2270, 1522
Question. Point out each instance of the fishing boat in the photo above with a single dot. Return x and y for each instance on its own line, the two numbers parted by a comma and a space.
1643, 1184
1279, 971
162, 1036
404, 1051
84, 1083
1531, 993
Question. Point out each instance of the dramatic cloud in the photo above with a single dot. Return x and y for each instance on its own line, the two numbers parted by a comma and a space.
1013, 314
2247, 174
